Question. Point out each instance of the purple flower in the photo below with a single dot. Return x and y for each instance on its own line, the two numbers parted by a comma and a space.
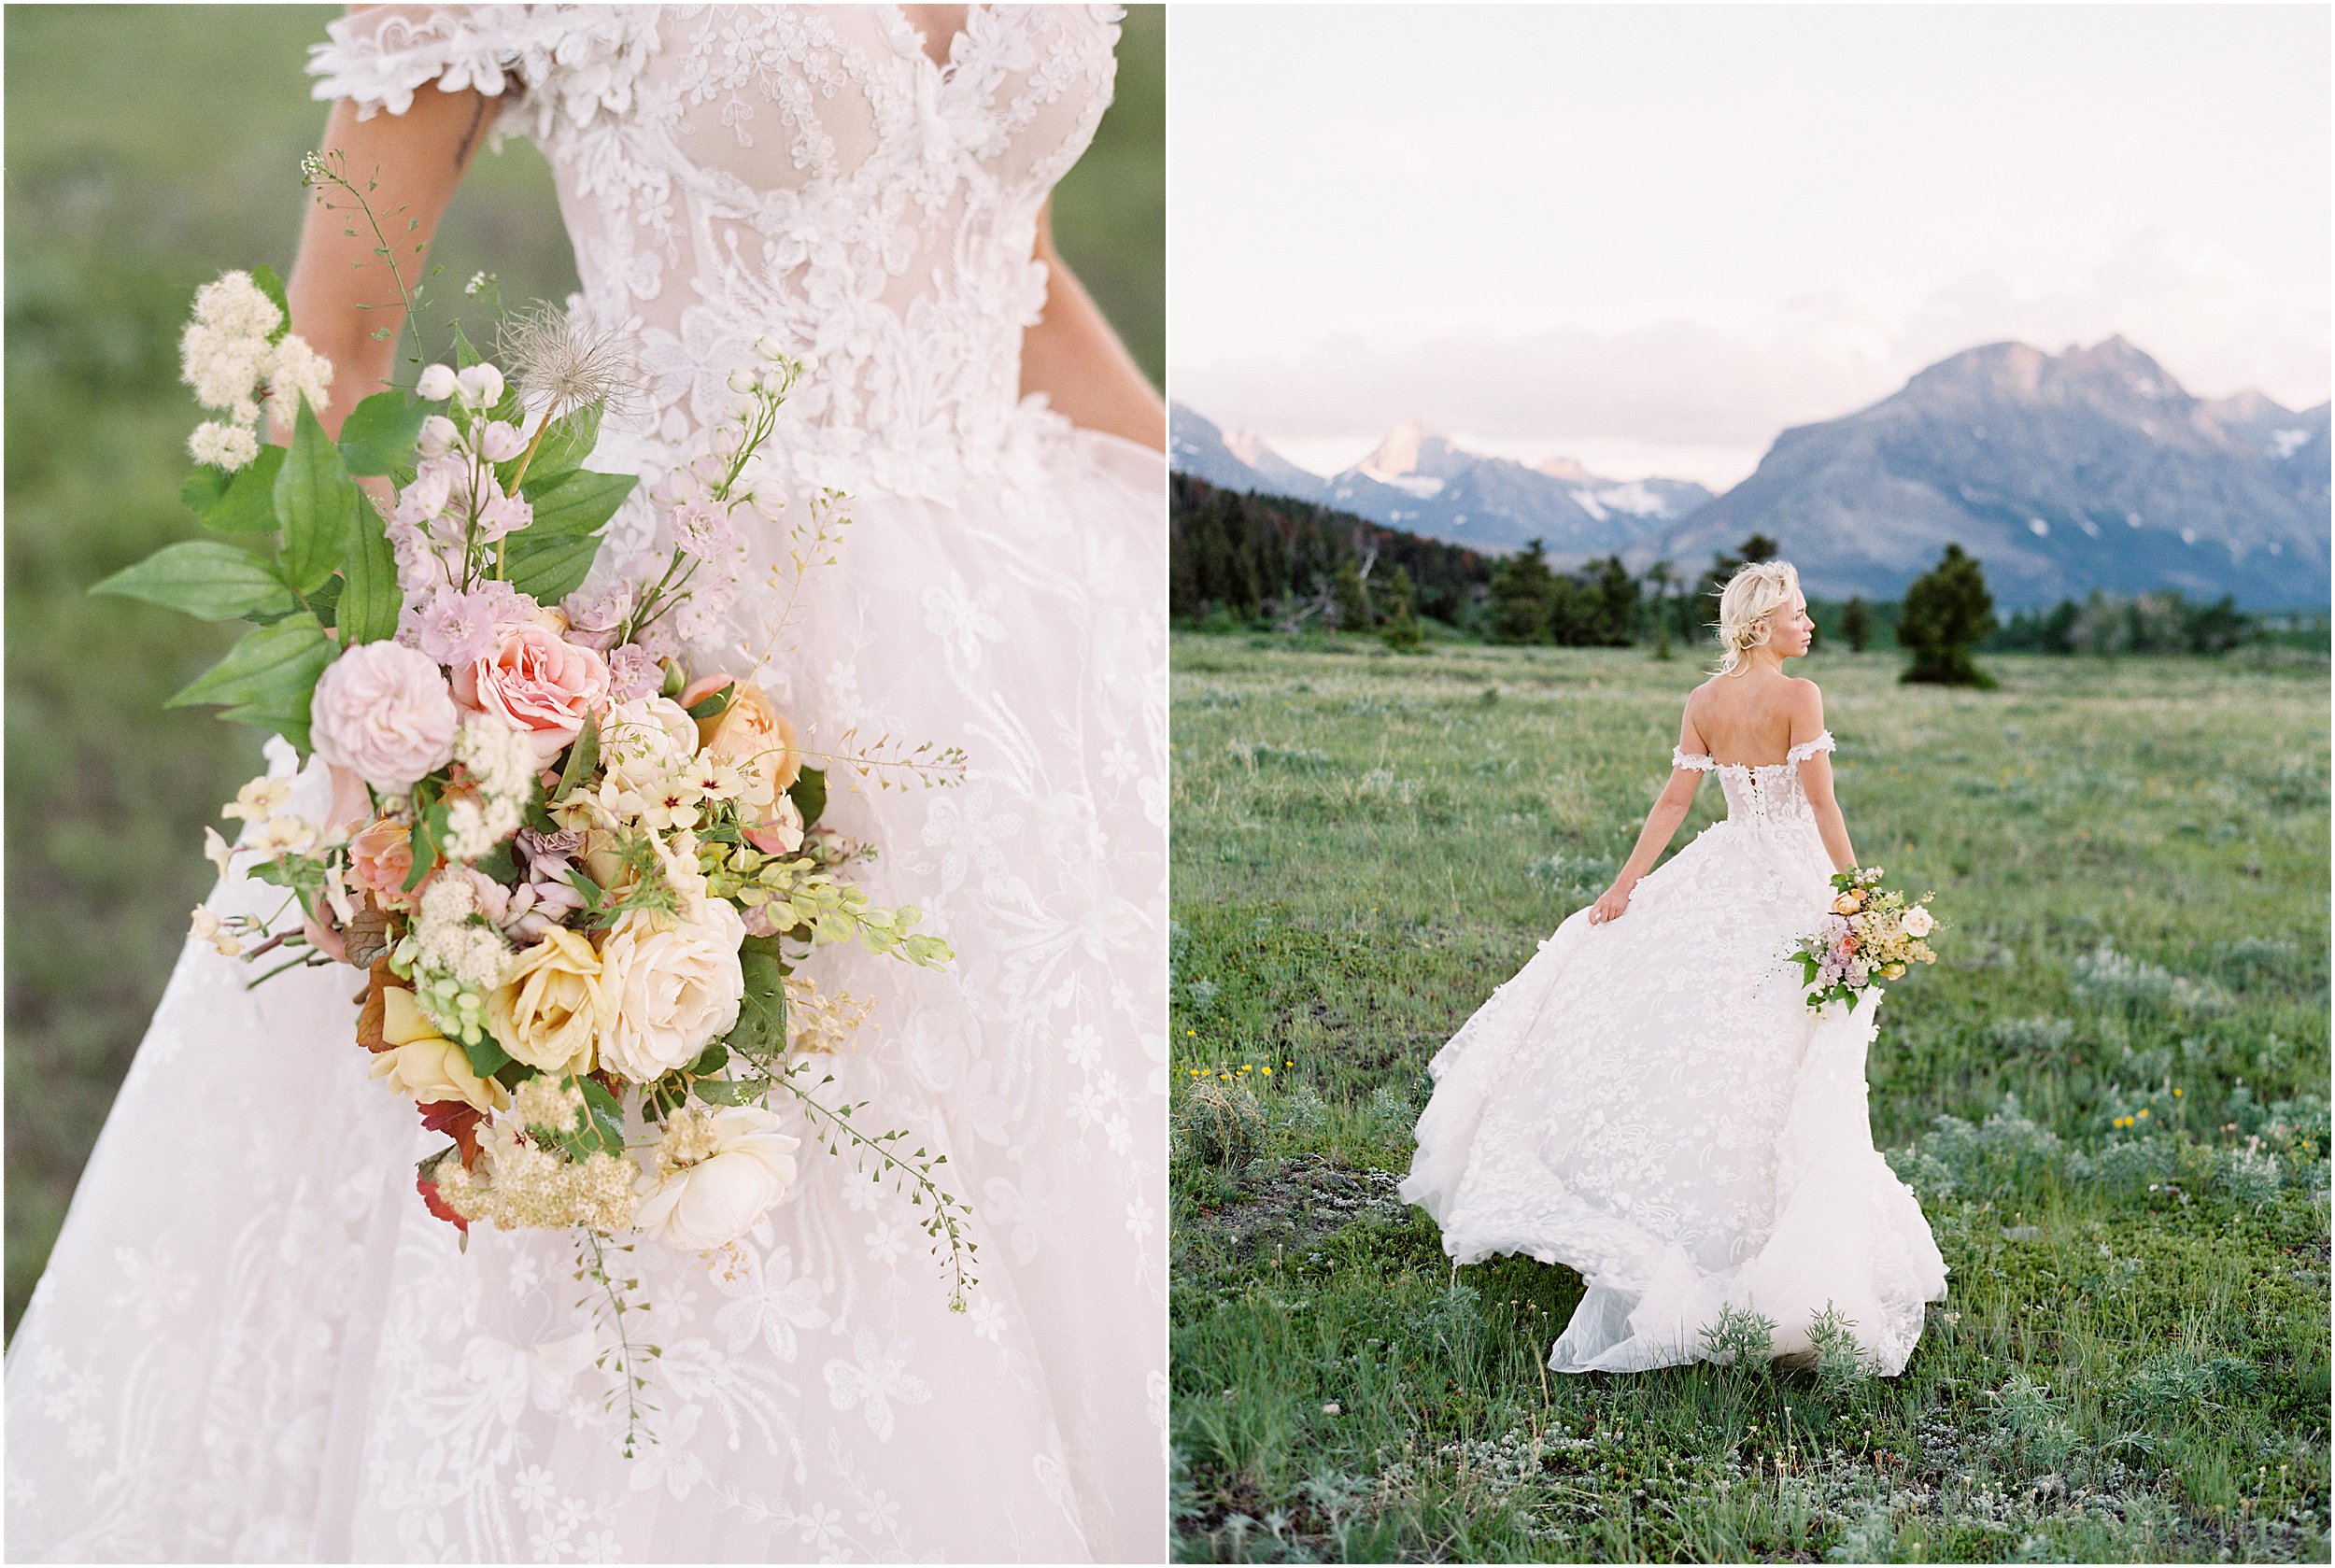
702, 529
634, 672
595, 619
455, 627
500, 514
542, 849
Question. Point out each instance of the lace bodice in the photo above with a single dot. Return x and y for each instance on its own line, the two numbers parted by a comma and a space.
808, 172
1763, 795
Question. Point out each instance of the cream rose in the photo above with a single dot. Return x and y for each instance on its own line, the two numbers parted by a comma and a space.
721, 1173
423, 1064
1919, 922
539, 683
673, 988
749, 729
556, 1006
644, 740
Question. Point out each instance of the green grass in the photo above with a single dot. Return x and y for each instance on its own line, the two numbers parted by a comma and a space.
2132, 1362
132, 179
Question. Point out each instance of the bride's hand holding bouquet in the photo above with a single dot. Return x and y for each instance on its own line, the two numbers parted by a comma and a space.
578, 874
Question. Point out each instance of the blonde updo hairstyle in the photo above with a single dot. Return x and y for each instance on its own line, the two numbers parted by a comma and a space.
1748, 608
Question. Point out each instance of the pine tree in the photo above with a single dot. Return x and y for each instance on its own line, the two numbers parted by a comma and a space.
1947, 609
1521, 591
1400, 623
1856, 624
1616, 593
1351, 597
1659, 574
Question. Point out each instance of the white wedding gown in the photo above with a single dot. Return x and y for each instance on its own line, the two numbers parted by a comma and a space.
1650, 1102
252, 1342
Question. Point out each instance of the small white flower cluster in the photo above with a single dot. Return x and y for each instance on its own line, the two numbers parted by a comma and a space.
527, 1188
501, 766
455, 954
226, 357
547, 1104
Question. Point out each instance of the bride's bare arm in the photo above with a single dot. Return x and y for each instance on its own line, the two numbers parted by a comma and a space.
1076, 359
1815, 777
1662, 823
340, 292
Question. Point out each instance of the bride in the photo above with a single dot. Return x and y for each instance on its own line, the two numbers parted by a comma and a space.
1648, 1100
252, 1341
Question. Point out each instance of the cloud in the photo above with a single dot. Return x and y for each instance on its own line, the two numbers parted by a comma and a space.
1686, 383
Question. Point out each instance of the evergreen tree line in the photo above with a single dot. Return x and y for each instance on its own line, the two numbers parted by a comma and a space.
1256, 556
2148, 623
1274, 560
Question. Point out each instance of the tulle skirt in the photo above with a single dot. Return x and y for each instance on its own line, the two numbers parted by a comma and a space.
1650, 1102
252, 1342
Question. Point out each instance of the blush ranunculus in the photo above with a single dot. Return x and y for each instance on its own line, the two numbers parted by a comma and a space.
380, 858
536, 681
383, 712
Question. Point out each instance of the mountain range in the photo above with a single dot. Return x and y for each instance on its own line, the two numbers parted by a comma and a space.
1419, 481
2092, 468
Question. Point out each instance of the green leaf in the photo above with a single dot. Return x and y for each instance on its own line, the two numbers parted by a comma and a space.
486, 1058
464, 354
370, 603
709, 1061
723, 1091
203, 486
272, 666
203, 577
576, 503
325, 603
761, 1033
713, 705
565, 445
583, 759
422, 849
272, 286
603, 1121
247, 504
316, 504
551, 568
809, 793
379, 433
287, 718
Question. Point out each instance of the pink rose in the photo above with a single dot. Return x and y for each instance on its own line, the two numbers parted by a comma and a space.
380, 858
383, 712
537, 683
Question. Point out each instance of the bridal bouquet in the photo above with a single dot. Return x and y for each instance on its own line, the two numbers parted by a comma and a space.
578, 873
1870, 935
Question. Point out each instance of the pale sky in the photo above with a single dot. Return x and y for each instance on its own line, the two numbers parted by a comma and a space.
1651, 236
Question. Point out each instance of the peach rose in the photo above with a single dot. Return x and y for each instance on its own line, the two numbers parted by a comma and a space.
537, 683
1847, 903
380, 858
749, 727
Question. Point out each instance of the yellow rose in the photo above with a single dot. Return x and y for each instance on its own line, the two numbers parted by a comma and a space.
748, 729
422, 1065
1847, 903
1894, 971
550, 1013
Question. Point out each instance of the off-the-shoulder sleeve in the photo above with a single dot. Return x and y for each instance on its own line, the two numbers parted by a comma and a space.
379, 56
1681, 758
1806, 749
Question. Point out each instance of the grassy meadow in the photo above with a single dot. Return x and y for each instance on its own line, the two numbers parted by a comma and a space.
2109, 1094
132, 179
